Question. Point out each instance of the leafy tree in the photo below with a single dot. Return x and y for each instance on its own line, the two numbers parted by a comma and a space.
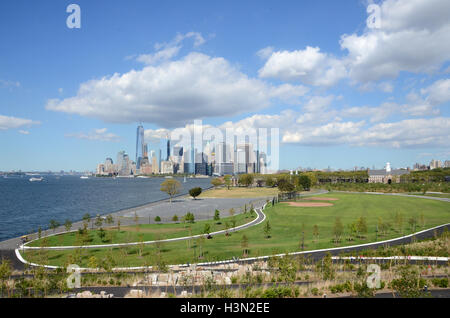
267, 229
285, 186
175, 218
195, 192
227, 179
352, 230
171, 187
217, 216
54, 224
157, 219
93, 262
270, 181
5, 273
246, 179
101, 233
231, 212
189, 217
408, 283
217, 182
109, 220
361, 226
86, 220
68, 225
305, 182
207, 229
338, 230
98, 221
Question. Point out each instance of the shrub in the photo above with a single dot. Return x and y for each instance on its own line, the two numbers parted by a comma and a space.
195, 192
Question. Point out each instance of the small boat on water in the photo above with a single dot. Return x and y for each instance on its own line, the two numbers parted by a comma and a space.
84, 177
36, 179
184, 181
168, 177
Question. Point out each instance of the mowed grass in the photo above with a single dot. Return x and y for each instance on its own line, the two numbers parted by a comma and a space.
240, 192
286, 222
146, 232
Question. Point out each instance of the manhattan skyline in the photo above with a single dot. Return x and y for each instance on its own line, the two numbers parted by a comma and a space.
343, 94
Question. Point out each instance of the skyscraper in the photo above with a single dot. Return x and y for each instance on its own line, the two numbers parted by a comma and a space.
139, 145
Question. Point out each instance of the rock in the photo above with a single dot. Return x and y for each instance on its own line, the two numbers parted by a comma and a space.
135, 293
84, 294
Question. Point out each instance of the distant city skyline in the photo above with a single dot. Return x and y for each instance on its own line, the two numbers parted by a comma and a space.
343, 92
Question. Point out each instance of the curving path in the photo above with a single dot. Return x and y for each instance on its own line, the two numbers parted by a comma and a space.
258, 220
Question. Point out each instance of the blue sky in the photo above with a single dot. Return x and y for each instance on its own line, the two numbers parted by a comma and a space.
343, 94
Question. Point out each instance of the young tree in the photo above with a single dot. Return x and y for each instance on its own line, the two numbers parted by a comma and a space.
157, 219
267, 229
413, 223
175, 218
98, 221
68, 225
109, 220
231, 212
338, 230
39, 232
352, 231
246, 179
86, 220
101, 233
227, 179
315, 232
361, 226
217, 216
217, 182
233, 222
171, 187
54, 224
207, 229
136, 221
118, 225
195, 192
189, 217
244, 244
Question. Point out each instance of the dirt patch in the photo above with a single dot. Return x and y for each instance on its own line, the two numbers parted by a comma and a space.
322, 199
310, 204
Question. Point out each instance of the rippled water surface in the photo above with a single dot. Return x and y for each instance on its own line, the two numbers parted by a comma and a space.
25, 205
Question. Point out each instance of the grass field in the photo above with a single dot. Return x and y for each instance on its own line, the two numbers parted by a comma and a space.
240, 192
145, 232
286, 222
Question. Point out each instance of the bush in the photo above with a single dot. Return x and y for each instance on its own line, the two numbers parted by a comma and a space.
315, 291
195, 192
157, 219
440, 282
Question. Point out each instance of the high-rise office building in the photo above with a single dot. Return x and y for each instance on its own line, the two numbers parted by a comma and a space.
139, 145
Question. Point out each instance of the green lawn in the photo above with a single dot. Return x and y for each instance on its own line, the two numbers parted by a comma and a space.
145, 232
240, 192
286, 223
